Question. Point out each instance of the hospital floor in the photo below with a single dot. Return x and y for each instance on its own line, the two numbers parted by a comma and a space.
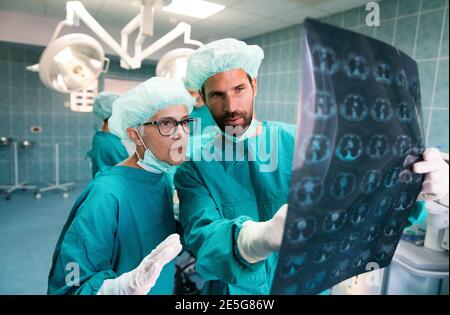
29, 230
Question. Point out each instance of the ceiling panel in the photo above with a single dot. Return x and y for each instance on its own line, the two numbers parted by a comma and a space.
30, 7
270, 25
236, 17
299, 15
268, 8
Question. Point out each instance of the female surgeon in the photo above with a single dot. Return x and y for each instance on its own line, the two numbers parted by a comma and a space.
109, 244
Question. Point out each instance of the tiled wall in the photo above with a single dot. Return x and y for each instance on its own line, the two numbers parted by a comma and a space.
26, 102
417, 27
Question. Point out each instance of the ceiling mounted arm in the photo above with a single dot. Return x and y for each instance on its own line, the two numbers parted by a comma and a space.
144, 21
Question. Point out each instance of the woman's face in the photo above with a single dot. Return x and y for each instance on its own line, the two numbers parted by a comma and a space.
171, 148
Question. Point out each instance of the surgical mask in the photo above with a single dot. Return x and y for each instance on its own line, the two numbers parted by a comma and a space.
247, 134
151, 163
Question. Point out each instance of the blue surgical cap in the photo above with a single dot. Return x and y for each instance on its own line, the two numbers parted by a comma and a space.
141, 103
220, 56
103, 104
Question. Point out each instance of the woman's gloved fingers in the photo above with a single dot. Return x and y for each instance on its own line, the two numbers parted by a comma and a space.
431, 154
150, 276
170, 241
425, 167
168, 254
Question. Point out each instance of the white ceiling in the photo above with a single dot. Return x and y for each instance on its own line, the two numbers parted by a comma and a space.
240, 19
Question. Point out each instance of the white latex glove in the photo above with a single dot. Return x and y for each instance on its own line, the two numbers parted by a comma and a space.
139, 281
435, 185
257, 240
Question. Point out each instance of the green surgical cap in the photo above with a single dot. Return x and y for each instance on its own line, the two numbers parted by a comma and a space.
141, 103
220, 56
103, 104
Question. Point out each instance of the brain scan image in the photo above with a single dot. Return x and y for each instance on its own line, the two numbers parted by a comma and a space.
325, 60
370, 234
324, 106
359, 133
343, 185
383, 73
403, 202
334, 220
301, 230
378, 146
314, 280
356, 67
402, 145
401, 79
381, 110
349, 242
359, 213
370, 181
340, 268
385, 251
349, 148
308, 191
324, 252
292, 265
392, 177
382, 206
318, 149
404, 113
361, 259
354, 108
393, 227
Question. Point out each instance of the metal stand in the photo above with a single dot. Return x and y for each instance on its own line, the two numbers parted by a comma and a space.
9, 189
57, 185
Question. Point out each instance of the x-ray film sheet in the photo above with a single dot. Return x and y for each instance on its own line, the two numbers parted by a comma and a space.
352, 187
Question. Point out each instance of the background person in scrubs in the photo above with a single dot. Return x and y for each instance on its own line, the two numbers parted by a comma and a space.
107, 149
112, 234
233, 213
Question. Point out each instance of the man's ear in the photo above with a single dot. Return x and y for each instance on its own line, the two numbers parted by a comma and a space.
132, 134
255, 86
202, 97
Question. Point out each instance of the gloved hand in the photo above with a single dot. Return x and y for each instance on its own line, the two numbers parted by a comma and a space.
435, 185
139, 281
257, 240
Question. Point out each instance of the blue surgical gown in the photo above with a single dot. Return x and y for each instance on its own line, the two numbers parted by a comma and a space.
216, 197
120, 217
107, 150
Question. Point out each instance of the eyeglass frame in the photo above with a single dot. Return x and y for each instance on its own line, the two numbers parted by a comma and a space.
177, 123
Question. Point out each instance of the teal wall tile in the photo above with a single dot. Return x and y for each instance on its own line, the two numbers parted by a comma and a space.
429, 34
444, 44
388, 9
406, 7
438, 135
441, 93
405, 34
433, 4
426, 74
385, 32
351, 18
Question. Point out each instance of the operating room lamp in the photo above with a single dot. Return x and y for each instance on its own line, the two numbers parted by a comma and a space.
173, 64
74, 61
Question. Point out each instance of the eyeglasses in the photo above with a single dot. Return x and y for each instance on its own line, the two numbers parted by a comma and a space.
168, 127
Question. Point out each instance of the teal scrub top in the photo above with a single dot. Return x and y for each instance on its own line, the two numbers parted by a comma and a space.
107, 150
204, 116
120, 217
216, 197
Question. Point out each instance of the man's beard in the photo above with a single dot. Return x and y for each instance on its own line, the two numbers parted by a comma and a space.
235, 123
